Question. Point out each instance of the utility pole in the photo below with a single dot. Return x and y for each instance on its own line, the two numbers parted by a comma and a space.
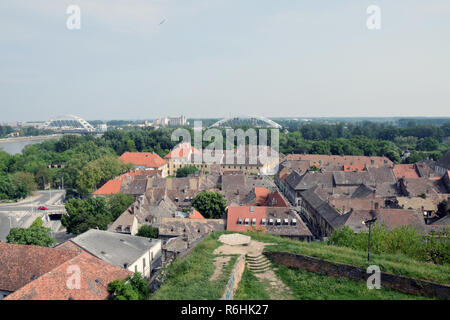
369, 224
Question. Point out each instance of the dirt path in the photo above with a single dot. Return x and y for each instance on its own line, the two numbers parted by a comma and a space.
275, 288
219, 263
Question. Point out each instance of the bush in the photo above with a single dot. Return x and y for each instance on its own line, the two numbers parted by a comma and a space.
148, 232
185, 171
132, 288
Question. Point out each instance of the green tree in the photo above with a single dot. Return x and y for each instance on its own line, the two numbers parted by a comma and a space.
443, 208
36, 235
27, 179
83, 215
185, 171
134, 287
148, 231
118, 203
210, 204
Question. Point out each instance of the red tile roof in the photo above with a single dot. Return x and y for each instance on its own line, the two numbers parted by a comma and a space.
195, 215
110, 187
20, 264
261, 195
405, 170
146, 159
182, 151
95, 275
275, 199
244, 212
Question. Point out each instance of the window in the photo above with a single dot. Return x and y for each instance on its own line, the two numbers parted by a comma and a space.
247, 221
135, 268
143, 264
254, 222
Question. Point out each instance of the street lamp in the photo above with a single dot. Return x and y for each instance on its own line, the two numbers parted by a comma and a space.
369, 224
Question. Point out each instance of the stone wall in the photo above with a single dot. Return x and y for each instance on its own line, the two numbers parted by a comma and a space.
235, 277
400, 283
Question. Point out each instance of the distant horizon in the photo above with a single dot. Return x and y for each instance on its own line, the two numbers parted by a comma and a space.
277, 117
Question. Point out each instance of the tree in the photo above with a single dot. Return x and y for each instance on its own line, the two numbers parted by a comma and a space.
185, 171
118, 203
443, 209
210, 204
134, 287
27, 179
83, 215
36, 235
148, 231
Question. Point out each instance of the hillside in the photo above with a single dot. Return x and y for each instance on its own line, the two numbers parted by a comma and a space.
203, 274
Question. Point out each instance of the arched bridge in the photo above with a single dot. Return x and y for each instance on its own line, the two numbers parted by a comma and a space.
253, 119
69, 123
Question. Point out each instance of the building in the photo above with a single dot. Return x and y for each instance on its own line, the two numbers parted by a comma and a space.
94, 277
145, 161
281, 221
188, 229
332, 162
132, 182
40, 273
21, 264
443, 164
136, 254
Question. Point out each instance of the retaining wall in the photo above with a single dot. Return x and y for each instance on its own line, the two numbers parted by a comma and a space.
400, 283
235, 277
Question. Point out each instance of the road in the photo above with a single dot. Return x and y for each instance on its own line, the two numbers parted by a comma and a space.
24, 212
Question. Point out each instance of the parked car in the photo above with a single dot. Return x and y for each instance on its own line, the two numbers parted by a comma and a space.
42, 208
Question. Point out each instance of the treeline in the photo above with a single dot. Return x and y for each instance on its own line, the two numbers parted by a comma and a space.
25, 132
369, 139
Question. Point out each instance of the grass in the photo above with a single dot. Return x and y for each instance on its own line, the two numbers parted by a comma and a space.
390, 263
250, 288
188, 278
312, 286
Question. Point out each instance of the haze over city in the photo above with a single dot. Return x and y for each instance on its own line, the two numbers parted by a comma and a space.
148, 59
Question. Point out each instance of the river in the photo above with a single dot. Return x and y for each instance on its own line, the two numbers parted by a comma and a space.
17, 144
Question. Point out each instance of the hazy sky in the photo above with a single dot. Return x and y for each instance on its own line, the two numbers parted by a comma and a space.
213, 58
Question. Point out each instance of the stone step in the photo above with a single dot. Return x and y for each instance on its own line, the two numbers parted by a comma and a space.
260, 263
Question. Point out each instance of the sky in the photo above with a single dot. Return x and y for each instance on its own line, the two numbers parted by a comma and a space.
145, 59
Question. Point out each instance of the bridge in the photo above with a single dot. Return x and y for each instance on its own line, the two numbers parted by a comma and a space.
253, 120
69, 124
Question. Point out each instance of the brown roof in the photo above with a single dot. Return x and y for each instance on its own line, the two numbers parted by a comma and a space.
21, 264
405, 171
326, 160
95, 275
391, 218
